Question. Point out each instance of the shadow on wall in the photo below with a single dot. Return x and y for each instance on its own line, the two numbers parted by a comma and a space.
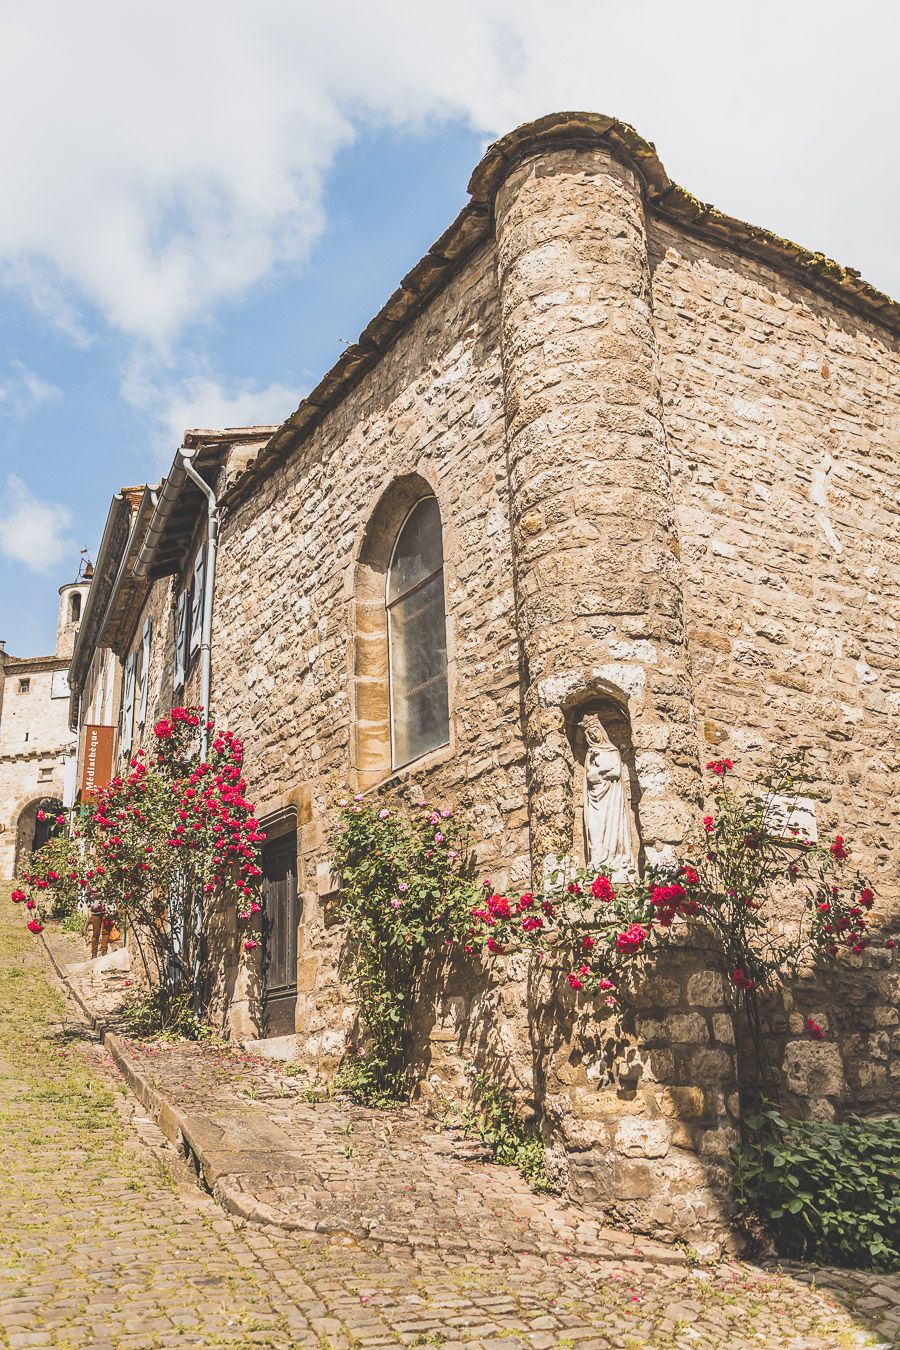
638, 1111
855, 1067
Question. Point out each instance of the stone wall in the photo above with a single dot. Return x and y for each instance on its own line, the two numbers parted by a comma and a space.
284, 663
284, 641
782, 421
35, 744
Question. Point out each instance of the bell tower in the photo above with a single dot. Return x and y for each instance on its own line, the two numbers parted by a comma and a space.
72, 599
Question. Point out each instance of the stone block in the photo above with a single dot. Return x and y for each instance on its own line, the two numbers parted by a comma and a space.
710, 1068
690, 1028
813, 1069
307, 973
640, 1138
683, 1103
705, 989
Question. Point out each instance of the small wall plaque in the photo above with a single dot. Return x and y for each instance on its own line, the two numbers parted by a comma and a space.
793, 818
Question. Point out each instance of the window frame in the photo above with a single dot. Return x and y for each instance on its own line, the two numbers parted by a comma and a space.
397, 765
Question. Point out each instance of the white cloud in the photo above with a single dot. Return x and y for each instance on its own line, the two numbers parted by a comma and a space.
22, 390
202, 400
168, 157
31, 531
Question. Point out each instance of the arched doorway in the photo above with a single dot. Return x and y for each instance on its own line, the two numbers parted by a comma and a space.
36, 824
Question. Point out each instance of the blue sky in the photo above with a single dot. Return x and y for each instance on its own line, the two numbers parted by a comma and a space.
203, 203
76, 441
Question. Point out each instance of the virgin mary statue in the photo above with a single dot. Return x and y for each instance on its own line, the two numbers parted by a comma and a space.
608, 825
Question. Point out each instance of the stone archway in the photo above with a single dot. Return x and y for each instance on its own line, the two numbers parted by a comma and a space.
36, 823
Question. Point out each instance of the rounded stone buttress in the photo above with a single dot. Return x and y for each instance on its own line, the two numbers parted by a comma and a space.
595, 548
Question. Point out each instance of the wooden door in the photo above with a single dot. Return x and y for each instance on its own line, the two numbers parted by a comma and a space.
282, 916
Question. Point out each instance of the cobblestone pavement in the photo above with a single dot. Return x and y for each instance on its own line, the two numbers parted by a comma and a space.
106, 1242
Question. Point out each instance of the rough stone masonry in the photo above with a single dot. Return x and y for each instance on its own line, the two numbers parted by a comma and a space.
663, 445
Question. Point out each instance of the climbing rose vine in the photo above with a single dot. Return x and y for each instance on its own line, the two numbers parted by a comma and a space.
166, 845
760, 901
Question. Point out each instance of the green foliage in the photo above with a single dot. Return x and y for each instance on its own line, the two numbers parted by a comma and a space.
366, 1080
159, 1012
826, 1192
512, 1143
403, 896
74, 922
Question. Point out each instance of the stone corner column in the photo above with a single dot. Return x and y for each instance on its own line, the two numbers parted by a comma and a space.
599, 611
595, 547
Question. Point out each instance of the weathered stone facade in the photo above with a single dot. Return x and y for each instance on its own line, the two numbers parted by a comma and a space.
660, 442
37, 748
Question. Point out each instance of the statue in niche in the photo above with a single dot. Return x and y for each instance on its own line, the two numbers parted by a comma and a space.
609, 831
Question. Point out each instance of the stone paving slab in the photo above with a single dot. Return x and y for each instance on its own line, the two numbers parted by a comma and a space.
390, 1232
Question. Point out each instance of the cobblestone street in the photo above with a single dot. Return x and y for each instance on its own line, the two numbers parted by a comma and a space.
367, 1230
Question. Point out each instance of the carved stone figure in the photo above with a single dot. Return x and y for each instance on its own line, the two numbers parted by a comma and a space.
608, 825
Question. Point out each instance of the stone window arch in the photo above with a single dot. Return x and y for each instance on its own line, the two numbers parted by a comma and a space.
401, 674
75, 607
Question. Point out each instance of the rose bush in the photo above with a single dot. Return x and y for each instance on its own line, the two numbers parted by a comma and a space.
165, 844
404, 896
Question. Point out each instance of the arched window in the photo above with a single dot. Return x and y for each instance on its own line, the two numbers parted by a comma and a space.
74, 607
417, 636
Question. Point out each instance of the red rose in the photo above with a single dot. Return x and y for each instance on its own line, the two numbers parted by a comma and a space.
632, 938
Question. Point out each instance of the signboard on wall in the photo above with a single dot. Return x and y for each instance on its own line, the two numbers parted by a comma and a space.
97, 763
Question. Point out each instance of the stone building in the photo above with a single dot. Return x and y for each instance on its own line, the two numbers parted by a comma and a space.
604, 451
37, 747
